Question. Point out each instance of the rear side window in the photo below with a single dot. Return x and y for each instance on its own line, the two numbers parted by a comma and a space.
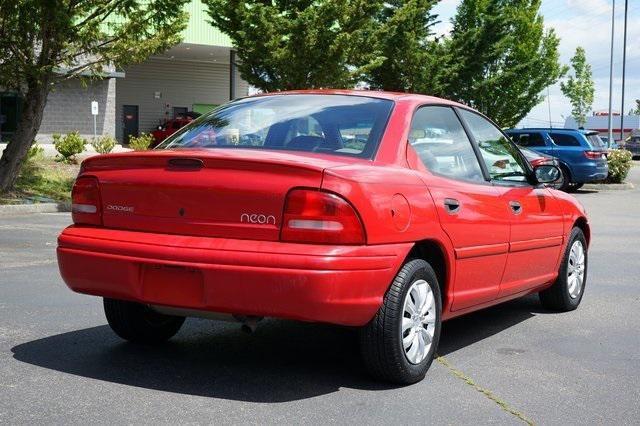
595, 141
529, 139
564, 140
442, 144
329, 124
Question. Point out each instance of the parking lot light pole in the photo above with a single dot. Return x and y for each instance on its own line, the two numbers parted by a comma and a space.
624, 68
610, 120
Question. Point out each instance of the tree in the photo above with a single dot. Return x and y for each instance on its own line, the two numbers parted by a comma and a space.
636, 110
579, 87
404, 51
295, 44
500, 58
45, 42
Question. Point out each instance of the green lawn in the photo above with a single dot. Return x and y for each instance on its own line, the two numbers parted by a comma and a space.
43, 180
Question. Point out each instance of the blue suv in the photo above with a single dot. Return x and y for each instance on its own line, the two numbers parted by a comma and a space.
581, 153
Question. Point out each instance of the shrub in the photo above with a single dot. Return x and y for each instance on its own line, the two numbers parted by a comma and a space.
140, 143
620, 161
36, 153
104, 144
69, 146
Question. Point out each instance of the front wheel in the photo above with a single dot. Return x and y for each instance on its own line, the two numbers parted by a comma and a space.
566, 293
400, 342
139, 323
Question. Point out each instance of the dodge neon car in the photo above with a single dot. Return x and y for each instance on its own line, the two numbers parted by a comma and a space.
383, 211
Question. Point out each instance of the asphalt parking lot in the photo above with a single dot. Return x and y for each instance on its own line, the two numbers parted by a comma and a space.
60, 363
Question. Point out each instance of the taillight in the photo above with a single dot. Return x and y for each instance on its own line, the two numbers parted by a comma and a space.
312, 216
85, 201
595, 155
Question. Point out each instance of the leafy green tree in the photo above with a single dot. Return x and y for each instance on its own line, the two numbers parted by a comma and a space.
579, 88
636, 110
45, 42
404, 54
295, 44
500, 58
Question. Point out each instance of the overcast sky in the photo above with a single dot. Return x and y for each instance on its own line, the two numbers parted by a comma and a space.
585, 23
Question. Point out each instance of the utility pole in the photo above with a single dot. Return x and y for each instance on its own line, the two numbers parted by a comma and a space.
624, 68
610, 121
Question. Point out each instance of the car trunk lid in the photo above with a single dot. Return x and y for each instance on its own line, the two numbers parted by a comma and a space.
232, 193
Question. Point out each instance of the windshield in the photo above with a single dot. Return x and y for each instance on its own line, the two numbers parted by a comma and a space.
331, 124
595, 141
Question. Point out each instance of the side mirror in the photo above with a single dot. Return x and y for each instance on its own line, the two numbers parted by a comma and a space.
546, 173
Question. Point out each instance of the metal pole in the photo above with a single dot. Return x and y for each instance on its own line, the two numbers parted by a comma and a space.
94, 128
624, 68
610, 121
549, 104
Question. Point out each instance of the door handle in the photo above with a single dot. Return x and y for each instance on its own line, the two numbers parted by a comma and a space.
516, 207
452, 205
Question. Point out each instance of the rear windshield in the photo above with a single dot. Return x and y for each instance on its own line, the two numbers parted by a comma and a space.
331, 124
595, 141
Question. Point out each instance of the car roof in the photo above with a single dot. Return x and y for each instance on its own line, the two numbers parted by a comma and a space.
378, 94
552, 129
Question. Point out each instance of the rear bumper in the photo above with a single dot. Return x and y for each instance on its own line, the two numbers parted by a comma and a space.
589, 172
335, 284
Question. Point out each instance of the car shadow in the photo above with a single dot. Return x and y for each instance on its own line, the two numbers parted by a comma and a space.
281, 361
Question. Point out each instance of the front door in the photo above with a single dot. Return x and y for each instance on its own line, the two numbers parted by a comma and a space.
130, 122
468, 206
535, 214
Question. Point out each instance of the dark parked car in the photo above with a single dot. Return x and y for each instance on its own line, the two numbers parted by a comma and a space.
581, 153
633, 144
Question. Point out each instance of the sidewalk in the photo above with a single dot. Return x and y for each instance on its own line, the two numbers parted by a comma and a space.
50, 150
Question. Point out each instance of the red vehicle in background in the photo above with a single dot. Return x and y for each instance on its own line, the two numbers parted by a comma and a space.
168, 128
388, 212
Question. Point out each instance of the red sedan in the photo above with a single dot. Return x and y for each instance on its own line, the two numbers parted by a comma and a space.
383, 211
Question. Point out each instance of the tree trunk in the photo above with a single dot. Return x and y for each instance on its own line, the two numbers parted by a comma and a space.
28, 126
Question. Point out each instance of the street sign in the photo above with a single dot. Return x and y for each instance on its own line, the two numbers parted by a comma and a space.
94, 108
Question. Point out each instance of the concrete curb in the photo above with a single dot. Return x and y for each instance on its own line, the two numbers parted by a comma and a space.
608, 186
20, 209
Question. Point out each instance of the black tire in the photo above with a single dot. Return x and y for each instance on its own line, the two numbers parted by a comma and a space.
139, 323
564, 182
557, 297
577, 186
381, 340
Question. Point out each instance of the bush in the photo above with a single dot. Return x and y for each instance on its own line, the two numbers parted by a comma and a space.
35, 154
140, 143
620, 161
104, 144
69, 146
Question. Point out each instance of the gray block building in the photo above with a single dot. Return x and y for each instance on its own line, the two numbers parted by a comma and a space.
195, 75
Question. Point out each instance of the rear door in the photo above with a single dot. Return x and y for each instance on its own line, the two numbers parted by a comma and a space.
469, 208
535, 215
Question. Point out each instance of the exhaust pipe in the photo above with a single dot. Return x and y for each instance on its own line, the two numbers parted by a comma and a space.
249, 322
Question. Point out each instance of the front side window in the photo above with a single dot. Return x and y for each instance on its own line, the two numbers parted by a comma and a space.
329, 124
529, 139
442, 144
501, 157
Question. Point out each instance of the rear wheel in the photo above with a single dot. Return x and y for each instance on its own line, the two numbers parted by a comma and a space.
566, 293
399, 344
575, 186
139, 323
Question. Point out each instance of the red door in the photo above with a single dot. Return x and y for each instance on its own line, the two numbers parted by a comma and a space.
470, 209
536, 219
536, 238
479, 232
